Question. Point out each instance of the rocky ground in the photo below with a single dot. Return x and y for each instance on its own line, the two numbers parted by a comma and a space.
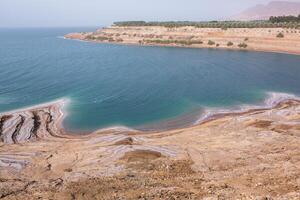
249, 155
257, 39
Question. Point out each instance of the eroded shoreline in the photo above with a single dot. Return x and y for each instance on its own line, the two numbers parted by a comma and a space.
44, 120
253, 154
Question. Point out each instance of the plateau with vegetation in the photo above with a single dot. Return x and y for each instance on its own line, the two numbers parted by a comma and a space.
278, 34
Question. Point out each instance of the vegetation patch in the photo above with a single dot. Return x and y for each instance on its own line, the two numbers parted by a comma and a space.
273, 22
280, 35
180, 42
243, 45
119, 40
100, 38
286, 19
210, 42
229, 44
90, 37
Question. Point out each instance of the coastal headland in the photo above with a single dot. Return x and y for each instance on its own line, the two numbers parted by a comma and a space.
276, 39
252, 154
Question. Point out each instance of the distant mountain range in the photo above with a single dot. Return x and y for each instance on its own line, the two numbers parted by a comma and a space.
274, 8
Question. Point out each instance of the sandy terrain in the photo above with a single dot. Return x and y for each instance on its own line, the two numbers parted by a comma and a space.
257, 39
250, 155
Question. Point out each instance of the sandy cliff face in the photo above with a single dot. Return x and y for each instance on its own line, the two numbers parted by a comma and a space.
260, 39
263, 12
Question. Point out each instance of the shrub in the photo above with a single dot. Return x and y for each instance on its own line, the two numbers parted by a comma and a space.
229, 44
280, 35
90, 37
243, 45
102, 38
197, 42
180, 42
217, 45
210, 42
246, 39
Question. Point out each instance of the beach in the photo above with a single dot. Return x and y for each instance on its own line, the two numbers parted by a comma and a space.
253, 39
251, 154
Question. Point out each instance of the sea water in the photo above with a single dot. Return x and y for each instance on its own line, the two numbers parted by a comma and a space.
134, 86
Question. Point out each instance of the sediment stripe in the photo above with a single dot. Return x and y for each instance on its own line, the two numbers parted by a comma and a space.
17, 130
36, 124
2, 121
32, 124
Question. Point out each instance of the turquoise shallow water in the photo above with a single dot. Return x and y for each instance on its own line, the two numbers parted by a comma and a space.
130, 85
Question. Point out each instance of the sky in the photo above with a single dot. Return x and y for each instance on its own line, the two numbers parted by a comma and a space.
75, 13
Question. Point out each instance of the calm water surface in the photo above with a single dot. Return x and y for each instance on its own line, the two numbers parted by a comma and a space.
130, 85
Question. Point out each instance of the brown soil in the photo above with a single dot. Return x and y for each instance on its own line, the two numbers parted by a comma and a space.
141, 155
261, 124
126, 141
250, 155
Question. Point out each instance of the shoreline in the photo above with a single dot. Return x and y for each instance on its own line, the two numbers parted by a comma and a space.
248, 154
60, 101
188, 47
272, 100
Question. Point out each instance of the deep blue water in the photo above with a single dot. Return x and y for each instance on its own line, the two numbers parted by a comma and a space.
132, 85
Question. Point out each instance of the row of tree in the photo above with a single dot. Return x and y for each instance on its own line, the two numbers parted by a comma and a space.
274, 22
285, 19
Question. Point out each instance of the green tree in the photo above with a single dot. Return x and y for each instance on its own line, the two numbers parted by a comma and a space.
229, 44
280, 35
210, 42
243, 45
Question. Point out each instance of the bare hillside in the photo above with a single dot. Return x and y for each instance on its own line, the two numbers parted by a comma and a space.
274, 8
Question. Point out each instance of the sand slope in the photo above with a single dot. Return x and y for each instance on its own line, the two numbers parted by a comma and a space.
257, 39
250, 155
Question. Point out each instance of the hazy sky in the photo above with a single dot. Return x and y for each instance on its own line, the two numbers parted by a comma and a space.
38, 13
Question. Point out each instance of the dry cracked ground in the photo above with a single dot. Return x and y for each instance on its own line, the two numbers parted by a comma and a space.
250, 155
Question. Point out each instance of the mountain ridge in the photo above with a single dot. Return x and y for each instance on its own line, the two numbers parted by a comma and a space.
273, 8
